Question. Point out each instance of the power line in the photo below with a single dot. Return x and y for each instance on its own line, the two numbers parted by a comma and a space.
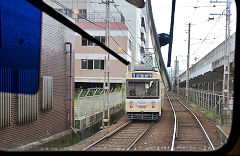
126, 22
207, 35
117, 42
221, 15
63, 6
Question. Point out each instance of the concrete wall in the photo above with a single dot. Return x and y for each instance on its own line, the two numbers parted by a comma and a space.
86, 127
87, 121
212, 60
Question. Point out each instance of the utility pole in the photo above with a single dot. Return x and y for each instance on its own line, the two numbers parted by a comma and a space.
106, 84
176, 70
171, 79
176, 75
188, 55
226, 74
225, 109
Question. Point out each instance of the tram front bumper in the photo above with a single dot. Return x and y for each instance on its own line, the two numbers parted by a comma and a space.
143, 115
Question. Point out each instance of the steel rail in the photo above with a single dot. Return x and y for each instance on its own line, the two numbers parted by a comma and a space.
175, 124
107, 136
208, 139
136, 140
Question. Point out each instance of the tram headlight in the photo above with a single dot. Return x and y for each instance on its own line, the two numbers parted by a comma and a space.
131, 104
153, 104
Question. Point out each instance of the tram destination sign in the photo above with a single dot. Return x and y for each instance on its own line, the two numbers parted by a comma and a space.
141, 75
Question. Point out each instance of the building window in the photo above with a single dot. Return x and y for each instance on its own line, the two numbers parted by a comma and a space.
99, 64
84, 64
142, 22
142, 37
101, 39
96, 64
90, 43
92, 64
102, 65
67, 12
86, 42
130, 45
142, 50
98, 38
83, 13
122, 18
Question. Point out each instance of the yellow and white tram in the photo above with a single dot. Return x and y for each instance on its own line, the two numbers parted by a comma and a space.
144, 95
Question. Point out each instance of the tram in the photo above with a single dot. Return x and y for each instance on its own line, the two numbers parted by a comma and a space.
144, 95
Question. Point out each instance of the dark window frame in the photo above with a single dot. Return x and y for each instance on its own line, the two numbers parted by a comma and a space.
86, 67
87, 64
87, 43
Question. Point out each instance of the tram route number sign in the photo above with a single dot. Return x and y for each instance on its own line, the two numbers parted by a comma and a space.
141, 75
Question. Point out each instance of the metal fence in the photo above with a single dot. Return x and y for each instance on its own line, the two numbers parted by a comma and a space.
91, 100
208, 100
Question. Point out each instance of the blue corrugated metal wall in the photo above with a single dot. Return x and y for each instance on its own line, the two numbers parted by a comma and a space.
20, 45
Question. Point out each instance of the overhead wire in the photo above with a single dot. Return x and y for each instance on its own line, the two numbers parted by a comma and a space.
220, 16
207, 35
117, 42
63, 6
219, 34
127, 24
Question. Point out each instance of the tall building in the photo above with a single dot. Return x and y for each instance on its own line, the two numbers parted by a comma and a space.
88, 13
134, 18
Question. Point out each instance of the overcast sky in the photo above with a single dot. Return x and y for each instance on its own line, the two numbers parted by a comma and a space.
197, 13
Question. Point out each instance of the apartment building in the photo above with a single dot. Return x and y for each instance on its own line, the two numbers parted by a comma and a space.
90, 58
134, 18
94, 11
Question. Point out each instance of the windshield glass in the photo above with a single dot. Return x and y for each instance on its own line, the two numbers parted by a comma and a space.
143, 89
73, 71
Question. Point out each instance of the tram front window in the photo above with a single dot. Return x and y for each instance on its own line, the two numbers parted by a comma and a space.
145, 89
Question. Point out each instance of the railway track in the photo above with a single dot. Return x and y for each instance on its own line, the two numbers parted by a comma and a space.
121, 139
189, 134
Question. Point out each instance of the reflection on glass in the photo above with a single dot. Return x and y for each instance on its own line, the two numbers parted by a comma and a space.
140, 89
